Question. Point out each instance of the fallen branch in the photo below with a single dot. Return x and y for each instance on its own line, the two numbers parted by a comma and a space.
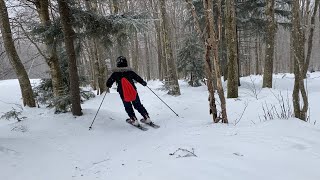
188, 153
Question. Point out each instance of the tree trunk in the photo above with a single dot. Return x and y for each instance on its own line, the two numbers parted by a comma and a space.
158, 33
174, 88
232, 50
257, 56
25, 86
268, 66
164, 59
208, 64
73, 72
136, 52
159, 53
147, 56
51, 50
213, 43
298, 55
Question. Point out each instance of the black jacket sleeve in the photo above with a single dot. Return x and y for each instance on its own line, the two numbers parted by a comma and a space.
110, 81
138, 78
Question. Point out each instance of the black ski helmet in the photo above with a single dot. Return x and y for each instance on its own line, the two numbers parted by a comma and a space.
122, 61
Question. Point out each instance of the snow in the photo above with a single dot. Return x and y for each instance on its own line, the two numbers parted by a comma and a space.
60, 147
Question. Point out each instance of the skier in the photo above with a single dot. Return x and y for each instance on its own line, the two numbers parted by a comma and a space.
124, 76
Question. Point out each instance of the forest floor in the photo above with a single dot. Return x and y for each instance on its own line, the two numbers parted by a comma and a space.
45, 146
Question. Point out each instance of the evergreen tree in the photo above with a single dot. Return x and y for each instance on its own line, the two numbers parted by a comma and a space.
190, 60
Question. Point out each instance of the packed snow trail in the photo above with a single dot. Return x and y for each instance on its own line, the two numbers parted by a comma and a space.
46, 146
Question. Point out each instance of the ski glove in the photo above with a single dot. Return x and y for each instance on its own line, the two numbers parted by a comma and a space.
144, 83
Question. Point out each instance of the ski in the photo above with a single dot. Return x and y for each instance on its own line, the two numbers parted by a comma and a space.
139, 126
151, 124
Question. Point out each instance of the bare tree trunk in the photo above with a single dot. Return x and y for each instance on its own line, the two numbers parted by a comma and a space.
257, 56
73, 72
213, 43
147, 56
268, 66
51, 51
298, 54
310, 39
136, 52
25, 86
103, 71
208, 64
91, 56
232, 50
174, 88
164, 59
158, 33
159, 52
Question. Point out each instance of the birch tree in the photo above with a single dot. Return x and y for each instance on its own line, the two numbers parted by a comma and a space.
24, 82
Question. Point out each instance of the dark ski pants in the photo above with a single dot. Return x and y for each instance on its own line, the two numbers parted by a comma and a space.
137, 105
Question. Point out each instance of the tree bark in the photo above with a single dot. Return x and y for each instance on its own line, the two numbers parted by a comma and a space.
257, 56
213, 43
298, 55
159, 37
268, 66
25, 86
232, 50
65, 15
147, 56
52, 60
174, 88
207, 62
136, 52
159, 52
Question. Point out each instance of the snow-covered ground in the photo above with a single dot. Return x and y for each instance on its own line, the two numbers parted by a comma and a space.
59, 147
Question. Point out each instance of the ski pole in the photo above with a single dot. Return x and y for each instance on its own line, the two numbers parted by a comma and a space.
163, 101
97, 111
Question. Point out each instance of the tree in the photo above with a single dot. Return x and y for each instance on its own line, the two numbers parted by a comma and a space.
73, 71
190, 59
271, 29
231, 32
298, 55
98, 64
212, 41
310, 39
51, 57
25, 86
207, 61
147, 56
252, 21
174, 88
160, 56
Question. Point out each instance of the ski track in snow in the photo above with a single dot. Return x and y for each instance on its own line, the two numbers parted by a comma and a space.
60, 147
